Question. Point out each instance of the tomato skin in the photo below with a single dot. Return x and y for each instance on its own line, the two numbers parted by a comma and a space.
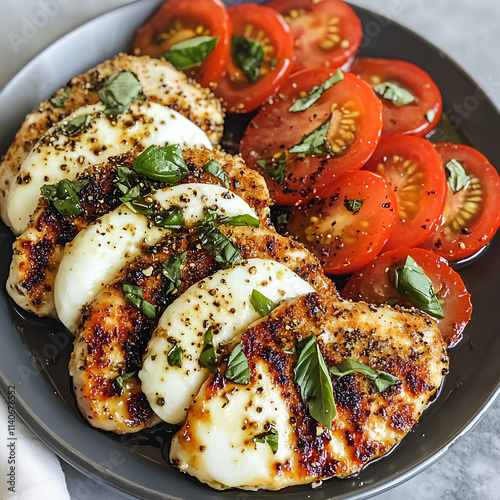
372, 284
327, 33
275, 130
420, 186
476, 231
411, 118
345, 241
238, 95
211, 14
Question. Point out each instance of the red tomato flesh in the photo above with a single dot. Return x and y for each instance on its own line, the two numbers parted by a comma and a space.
413, 168
373, 284
343, 237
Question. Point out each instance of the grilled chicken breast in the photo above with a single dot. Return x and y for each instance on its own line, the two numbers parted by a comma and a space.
113, 336
161, 84
223, 441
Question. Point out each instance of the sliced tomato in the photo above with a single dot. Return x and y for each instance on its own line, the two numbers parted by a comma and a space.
348, 223
419, 116
354, 115
472, 213
415, 171
325, 33
177, 21
373, 284
257, 23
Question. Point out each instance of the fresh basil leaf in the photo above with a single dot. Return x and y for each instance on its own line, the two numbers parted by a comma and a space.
261, 303
119, 90
353, 206
316, 92
430, 115
270, 437
393, 92
240, 220
174, 356
137, 204
162, 164
214, 167
248, 56
278, 172
314, 144
133, 296
411, 281
63, 196
173, 218
191, 52
216, 243
172, 270
237, 369
382, 380
209, 218
457, 178
121, 379
76, 125
313, 379
59, 100
208, 358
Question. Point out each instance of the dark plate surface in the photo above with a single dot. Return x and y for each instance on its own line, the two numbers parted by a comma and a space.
35, 352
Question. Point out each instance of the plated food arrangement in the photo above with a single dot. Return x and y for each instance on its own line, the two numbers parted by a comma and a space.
174, 224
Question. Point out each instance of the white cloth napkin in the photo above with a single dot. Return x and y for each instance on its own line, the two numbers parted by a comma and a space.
27, 467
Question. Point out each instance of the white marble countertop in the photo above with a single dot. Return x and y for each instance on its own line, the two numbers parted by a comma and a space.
469, 32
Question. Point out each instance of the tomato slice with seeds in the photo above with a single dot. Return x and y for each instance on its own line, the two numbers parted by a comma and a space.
348, 111
348, 223
325, 33
177, 21
398, 82
373, 284
261, 24
472, 212
415, 171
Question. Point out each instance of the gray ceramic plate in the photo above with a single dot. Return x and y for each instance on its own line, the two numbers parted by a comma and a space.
35, 352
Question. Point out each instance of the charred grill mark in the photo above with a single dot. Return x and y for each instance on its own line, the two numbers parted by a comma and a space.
39, 255
139, 410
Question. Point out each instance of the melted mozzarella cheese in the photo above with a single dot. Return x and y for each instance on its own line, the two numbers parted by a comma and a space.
57, 156
95, 256
222, 302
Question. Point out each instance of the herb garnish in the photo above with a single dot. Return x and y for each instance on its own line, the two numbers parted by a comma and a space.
76, 125
314, 144
172, 270
214, 167
172, 219
217, 244
394, 93
248, 56
119, 90
59, 100
208, 358
353, 206
190, 53
133, 295
63, 196
270, 436
164, 164
174, 356
430, 115
120, 381
237, 369
457, 178
261, 303
382, 380
278, 172
240, 220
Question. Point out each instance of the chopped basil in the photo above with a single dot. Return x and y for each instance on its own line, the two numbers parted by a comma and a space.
382, 380
430, 115
119, 90
208, 358
248, 56
75, 126
316, 92
311, 375
240, 220
277, 173
216, 243
173, 218
209, 218
136, 202
270, 437
261, 303
191, 52
133, 295
353, 206
162, 164
60, 99
314, 144
121, 379
63, 196
393, 92
411, 281
457, 178
174, 356
237, 369
172, 270
213, 167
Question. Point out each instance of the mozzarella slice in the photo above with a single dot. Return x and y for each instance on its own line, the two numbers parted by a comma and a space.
95, 256
222, 302
57, 156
